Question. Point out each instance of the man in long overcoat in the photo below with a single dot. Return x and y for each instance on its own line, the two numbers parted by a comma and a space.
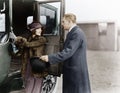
73, 56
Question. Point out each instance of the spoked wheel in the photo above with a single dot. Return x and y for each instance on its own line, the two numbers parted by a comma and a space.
49, 84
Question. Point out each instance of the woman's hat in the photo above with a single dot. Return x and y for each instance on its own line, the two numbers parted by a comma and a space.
34, 25
38, 65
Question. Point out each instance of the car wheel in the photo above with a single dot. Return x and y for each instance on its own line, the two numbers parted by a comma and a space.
49, 84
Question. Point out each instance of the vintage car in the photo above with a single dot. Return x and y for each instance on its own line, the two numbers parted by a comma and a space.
14, 17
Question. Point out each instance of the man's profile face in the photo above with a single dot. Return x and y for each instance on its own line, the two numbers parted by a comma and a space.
65, 24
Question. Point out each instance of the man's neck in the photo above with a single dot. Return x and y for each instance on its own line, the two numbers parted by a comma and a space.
73, 25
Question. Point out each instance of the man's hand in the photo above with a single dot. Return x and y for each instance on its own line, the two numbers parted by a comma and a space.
44, 58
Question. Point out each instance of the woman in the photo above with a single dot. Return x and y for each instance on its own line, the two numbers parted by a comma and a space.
33, 46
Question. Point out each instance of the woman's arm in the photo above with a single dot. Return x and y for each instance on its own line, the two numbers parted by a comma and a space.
39, 42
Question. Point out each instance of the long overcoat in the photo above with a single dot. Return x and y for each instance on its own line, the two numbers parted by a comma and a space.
73, 56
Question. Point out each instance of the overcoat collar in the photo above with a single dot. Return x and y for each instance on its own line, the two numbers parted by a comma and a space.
72, 30
69, 35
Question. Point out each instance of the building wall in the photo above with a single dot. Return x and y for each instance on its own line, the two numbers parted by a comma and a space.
100, 37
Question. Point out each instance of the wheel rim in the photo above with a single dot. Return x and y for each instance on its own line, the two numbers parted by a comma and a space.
49, 83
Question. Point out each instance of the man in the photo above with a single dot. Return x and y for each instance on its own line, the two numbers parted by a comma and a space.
73, 56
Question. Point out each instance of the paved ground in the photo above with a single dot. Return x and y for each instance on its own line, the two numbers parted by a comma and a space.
104, 70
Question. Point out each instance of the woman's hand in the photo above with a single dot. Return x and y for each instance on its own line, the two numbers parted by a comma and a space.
44, 58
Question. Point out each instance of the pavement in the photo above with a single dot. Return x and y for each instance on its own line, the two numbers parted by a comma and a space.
104, 70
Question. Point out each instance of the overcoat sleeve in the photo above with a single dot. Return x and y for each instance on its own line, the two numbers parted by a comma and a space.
73, 44
35, 43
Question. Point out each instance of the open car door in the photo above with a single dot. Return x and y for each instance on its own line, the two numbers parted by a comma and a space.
49, 13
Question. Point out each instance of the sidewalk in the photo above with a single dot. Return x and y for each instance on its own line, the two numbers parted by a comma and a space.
104, 69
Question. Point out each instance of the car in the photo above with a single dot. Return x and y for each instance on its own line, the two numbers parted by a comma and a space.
14, 17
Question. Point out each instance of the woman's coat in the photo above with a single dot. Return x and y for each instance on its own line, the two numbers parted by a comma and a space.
73, 56
32, 47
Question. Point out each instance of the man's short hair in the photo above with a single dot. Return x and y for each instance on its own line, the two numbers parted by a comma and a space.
70, 17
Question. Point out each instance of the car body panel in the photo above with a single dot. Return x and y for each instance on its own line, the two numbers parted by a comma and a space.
5, 59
